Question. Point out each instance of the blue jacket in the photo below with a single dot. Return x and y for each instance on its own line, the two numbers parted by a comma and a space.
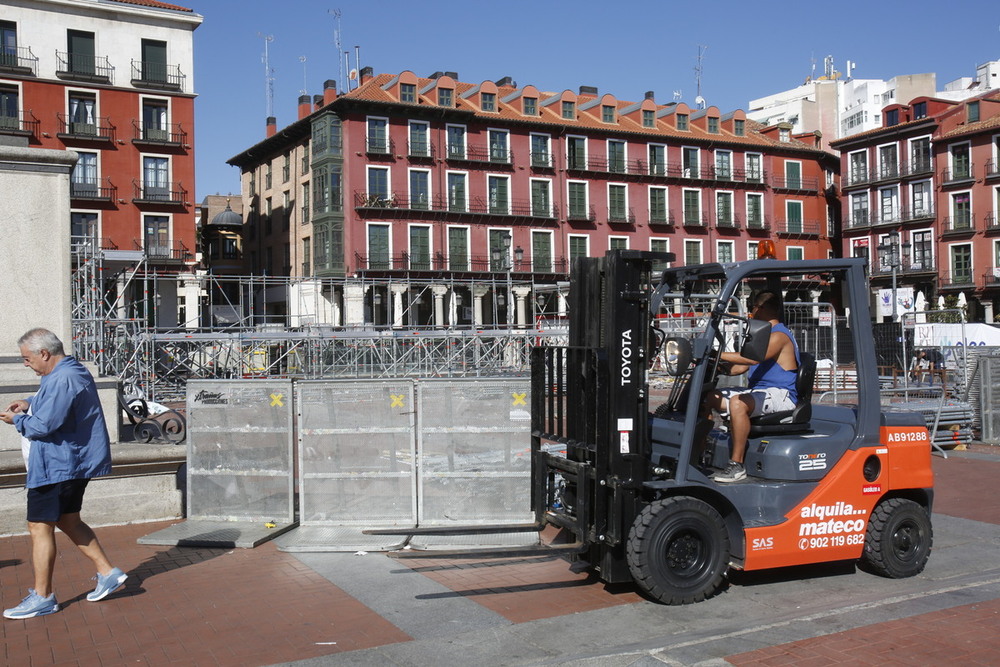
69, 437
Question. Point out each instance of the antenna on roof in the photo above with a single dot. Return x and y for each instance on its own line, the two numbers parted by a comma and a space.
336, 41
305, 79
268, 75
699, 100
677, 95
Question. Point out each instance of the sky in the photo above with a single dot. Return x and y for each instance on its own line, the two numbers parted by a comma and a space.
748, 50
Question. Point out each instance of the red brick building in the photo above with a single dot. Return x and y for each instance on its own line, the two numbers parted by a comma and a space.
929, 178
112, 82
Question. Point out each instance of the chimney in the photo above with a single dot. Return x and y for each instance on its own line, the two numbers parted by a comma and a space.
650, 95
304, 107
453, 75
272, 126
588, 90
436, 75
365, 74
329, 91
506, 81
317, 102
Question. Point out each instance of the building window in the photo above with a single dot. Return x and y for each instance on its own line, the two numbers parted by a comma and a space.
286, 208
657, 160
658, 205
154, 61
755, 211
784, 134
920, 155
578, 247
378, 135
530, 106
81, 54
456, 142
445, 96
794, 252
84, 181
286, 167
755, 172
724, 252
10, 110
457, 190
739, 127
961, 164
692, 252
569, 110
724, 165
83, 228
690, 162
267, 175
458, 248
306, 205
378, 186
420, 145
541, 252
498, 192
724, 209
617, 203
82, 114
578, 205
499, 146
859, 167
155, 178
793, 174
496, 247
752, 249
793, 217
576, 153
540, 152
488, 101
891, 117
607, 113
919, 110
692, 207
662, 246
616, 156
682, 121
407, 93
648, 118
920, 194
889, 200
154, 121
156, 236
617, 243
541, 198
972, 109
859, 209
713, 125
961, 210
306, 257
379, 251
888, 161
268, 210
420, 248
961, 264
922, 251
420, 190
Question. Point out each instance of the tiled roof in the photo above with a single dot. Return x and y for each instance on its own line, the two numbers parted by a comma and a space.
154, 4
373, 90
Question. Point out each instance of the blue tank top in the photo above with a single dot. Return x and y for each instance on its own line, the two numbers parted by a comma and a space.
770, 373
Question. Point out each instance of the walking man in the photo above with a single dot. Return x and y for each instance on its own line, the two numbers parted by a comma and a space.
66, 445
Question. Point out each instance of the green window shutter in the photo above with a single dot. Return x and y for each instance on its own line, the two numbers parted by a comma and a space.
420, 248
458, 249
378, 247
541, 252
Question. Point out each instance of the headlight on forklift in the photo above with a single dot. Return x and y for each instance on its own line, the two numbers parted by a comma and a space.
677, 356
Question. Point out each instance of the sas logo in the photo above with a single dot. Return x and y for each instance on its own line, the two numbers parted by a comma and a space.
812, 461
871, 489
762, 543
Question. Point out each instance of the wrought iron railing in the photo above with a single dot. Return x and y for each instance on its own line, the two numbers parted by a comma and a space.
148, 74
84, 67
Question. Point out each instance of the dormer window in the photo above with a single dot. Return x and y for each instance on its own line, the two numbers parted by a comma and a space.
607, 113
488, 101
682, 121
407, 93
569, 110
784, 134
713, 125
648, 118
972, 112
445, 96
892, 117
919, 110
530, 106
739, 127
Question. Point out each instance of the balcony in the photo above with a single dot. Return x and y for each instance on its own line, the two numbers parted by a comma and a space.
100, 129
459, 264
83, 245
991, 277
911, 268
419, 149
486, 154
919, 214
169, 194
379, 147
959, 225
621, 216
519, 208
991, 223
172, 134
170, 251
960, 278
889, 172
577, 213
160, 76
81, 67
856, 178
992, 169
797, 183
23, 124
692, 219
18, 60
727, 222
918, 167
93, 189
800, 228
959, 175
860, 220
756, 223
661, 218
541, 159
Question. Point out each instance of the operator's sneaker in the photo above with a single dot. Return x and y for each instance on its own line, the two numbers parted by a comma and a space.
734, 472
107, 584
33, 605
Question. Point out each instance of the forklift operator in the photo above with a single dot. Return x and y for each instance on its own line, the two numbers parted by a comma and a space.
770, 387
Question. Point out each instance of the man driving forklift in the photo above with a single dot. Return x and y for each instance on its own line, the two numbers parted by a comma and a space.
770, 387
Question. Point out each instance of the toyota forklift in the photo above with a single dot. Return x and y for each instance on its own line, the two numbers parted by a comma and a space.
632, 483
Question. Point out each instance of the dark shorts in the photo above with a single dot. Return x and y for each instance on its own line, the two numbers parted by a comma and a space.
48, 503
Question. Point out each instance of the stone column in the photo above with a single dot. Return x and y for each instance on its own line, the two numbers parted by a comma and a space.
192, 303
439, 292
520, 294
478, 292
398, 290
354, 305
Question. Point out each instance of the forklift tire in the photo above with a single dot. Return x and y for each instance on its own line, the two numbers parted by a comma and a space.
678, 550
899, 539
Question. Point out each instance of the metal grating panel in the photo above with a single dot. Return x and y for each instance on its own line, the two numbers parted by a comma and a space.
240, 450
475, 451
356, 451
318, 538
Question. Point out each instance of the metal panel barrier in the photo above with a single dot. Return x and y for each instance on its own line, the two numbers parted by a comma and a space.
356, 453
475, 451
240, 450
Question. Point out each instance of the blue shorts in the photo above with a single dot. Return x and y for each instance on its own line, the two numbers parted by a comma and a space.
46, 504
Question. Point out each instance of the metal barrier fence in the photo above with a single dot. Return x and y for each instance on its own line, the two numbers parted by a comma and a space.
240, 451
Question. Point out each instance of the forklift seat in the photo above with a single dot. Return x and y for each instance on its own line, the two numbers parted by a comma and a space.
797, 419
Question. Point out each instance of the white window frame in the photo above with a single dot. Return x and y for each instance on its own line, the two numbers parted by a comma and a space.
586, 238
586, 147
700, 217
368, 120
732, 206
701, 250
881, 164
506, 142
721, 152
430, 242
746, 203
666, 159
430, 186
468, 245
726, 243
801, 249
586, 192
170, 228
695, 171
752, 249
548, 148
607, 149
552, 248
369, 168
972, 259
409, 137
666, 203
465, 175
447, 142
759, 176
893, 192
607, 193
619, 237
504, 177
531, 194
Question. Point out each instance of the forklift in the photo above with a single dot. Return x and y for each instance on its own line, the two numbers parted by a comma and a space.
633, 485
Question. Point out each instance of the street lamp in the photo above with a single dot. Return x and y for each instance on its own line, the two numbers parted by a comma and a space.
889, 254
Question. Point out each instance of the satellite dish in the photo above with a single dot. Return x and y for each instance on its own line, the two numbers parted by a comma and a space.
700, 101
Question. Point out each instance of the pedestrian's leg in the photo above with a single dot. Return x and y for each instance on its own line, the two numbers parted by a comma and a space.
43, 554
84, 537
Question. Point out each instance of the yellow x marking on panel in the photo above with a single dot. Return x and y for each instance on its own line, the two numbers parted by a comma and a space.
276, 401
397, 400
518, 398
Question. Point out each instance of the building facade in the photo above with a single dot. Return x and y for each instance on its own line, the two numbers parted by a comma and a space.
926, 186
111, 81
427, 178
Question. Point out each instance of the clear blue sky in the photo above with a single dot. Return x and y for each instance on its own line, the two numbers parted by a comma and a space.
624, 48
